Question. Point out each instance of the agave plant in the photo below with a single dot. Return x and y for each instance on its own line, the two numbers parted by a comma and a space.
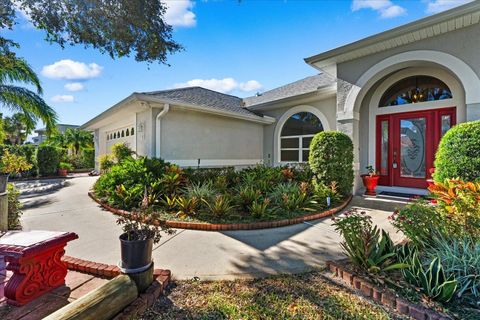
432, 280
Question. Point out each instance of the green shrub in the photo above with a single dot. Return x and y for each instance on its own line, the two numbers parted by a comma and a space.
202, 175
461, 258
48, 159
221, 206
29, 152
87, 158
121, 152
331, 160
14, 207
458, 154
106, 162
125, 184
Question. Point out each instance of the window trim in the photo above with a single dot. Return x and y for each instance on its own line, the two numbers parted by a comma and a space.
283, 119
300, 148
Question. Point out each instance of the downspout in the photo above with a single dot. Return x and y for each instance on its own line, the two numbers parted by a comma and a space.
158, 138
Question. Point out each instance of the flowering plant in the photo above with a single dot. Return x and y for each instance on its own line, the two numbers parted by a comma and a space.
417, 221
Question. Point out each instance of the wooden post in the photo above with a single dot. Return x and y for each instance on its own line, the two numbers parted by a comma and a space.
100, 304
3, 211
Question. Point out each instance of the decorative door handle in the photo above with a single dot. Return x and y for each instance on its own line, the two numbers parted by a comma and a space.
394, 164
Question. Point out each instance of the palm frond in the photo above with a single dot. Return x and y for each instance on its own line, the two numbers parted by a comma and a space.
13, 69
20, 99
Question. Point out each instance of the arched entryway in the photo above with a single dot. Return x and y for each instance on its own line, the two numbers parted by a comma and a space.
404, 116
294, 132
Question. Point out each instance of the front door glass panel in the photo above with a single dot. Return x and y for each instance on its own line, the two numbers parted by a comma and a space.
446, 123
384, 148
413, 148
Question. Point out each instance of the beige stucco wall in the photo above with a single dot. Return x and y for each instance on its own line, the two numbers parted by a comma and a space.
325, 106
117, 123
187, 136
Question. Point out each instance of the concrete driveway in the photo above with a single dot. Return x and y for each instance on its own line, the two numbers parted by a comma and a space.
189, 253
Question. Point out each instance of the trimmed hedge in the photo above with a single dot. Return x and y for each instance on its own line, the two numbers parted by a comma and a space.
458, 154
48, 159
331, 160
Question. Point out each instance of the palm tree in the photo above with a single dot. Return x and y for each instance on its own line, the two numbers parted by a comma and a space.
17, 128
78, 139
14, 70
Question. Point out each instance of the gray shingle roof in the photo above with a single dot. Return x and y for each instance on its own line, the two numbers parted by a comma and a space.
306, 85
203, 97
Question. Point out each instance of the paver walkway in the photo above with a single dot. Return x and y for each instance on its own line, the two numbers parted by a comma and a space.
190, 253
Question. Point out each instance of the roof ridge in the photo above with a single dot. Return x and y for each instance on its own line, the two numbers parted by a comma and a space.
189, 88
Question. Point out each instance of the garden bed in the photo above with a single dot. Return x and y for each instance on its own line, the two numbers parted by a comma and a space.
410, 305
197, 225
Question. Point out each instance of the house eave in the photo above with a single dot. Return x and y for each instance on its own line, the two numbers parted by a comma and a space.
172, 103
90, 125
321, 93
447, 21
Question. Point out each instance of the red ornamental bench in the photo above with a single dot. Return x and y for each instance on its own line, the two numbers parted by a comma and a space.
34, 257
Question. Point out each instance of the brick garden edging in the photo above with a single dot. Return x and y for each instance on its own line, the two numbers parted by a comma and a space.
231, 226
383, 296
161, 279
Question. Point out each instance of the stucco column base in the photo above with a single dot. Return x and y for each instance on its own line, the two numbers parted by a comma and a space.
351, 128
473, 111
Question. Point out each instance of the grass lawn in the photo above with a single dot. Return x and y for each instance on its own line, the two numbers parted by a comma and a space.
304, 296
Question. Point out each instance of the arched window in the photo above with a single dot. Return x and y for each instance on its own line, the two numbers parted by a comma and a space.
127, 132
118, 134
296, 135
415, 89
123, 133
132, 132
114, 135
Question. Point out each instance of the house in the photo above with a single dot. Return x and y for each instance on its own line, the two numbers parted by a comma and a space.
395, 94
42, 135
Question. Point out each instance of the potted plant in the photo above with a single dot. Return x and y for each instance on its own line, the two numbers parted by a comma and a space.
11, 164
63, 168
141, 230
370, 181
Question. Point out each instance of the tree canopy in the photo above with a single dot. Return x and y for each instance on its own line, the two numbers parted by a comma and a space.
119, 27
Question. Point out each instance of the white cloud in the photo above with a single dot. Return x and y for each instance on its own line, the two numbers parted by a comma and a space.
179, 13
221, 85
63, 98
250, 85
435, 6
385, 8
74, 86
72, 70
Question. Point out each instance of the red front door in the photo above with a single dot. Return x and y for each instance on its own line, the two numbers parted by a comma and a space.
406, 145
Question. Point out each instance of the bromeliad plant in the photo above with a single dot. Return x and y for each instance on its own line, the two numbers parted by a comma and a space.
367, 247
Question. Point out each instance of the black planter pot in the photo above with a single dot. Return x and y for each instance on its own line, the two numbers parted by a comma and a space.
135, 254
3, 182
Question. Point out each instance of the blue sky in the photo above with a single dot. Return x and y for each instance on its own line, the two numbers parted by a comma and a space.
237, 48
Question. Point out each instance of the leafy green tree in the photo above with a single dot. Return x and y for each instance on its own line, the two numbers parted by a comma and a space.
13, 73
78, 139
119, 28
